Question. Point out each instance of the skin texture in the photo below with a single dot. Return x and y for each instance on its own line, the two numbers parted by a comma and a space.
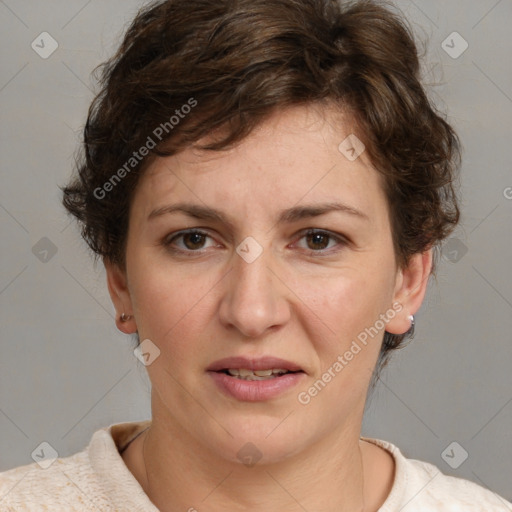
290, 302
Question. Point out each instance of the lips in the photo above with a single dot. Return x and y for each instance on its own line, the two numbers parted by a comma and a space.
254, 364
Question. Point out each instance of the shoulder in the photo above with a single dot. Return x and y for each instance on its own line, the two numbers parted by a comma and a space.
27, 487
443, 492
422, 486
95, 478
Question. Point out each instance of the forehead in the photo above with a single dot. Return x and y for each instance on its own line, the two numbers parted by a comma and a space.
292, 157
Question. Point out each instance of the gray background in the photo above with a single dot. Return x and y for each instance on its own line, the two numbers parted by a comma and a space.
66, 371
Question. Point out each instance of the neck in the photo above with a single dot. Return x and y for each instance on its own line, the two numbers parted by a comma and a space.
179, 473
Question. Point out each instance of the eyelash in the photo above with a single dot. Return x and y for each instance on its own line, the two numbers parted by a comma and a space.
342, 241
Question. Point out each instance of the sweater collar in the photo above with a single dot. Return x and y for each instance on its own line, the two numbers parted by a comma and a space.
126, 493
122, 488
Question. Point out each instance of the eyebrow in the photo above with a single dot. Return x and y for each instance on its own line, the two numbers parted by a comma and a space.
289, 215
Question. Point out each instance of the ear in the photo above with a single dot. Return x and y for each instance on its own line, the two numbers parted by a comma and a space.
120, 295
410, 288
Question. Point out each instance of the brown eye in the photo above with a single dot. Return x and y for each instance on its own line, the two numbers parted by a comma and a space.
318, 241
191, 241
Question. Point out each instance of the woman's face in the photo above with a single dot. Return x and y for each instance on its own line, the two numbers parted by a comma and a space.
253, 284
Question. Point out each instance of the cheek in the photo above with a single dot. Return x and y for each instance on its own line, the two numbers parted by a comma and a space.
172, 305
349, 301
347, 309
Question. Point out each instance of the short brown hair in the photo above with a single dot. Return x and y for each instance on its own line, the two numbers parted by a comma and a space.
236, 62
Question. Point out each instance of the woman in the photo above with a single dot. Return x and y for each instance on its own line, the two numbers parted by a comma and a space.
265, 182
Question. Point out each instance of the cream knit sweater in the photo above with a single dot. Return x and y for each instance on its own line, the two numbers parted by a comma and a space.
96, 479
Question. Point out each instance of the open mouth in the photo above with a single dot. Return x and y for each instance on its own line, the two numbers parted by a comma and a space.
250, 379
245, 374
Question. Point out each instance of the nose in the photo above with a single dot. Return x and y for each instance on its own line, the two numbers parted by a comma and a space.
255, 297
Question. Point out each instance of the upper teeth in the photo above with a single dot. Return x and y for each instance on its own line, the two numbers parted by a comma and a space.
243, 372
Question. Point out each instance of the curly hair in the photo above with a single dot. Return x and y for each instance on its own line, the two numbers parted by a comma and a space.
187, 69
